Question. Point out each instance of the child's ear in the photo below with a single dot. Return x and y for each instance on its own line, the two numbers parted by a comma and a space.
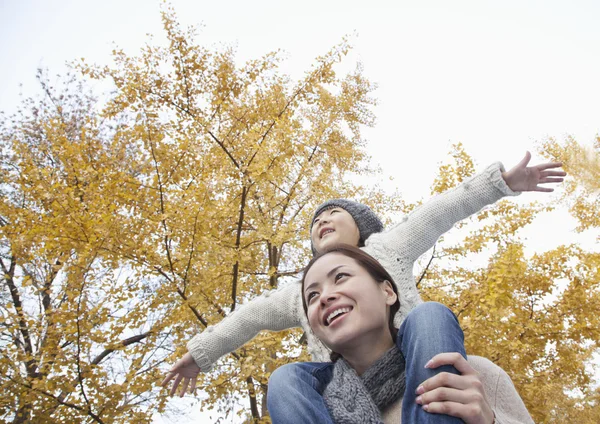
391, 296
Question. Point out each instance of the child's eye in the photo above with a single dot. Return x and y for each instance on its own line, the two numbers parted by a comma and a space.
316, 220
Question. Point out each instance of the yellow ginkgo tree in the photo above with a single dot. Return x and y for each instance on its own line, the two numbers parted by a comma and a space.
129, 225
535, 315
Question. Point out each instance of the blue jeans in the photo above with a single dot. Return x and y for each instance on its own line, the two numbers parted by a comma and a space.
295, 390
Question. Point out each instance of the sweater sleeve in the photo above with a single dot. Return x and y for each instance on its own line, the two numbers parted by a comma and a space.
506, 403
273, 310
419, 231
508, 406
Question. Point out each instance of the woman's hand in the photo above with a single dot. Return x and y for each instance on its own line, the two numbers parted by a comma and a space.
460, 396
185, 369
527, 178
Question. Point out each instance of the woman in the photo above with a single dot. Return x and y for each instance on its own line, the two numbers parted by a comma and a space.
350, 301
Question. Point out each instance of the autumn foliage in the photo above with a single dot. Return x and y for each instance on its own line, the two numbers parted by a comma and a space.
128, 225
535, 315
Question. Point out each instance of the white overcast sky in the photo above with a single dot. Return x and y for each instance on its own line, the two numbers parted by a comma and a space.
498, 76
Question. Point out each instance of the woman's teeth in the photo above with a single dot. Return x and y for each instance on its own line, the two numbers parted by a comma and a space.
336, 313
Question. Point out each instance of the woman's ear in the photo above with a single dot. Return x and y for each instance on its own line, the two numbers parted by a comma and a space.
391, 296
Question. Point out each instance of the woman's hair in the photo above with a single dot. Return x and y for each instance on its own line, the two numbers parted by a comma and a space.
369, 264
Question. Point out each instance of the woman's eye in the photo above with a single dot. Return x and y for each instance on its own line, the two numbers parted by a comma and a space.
310, 296
334, 211
340, 275
316, 220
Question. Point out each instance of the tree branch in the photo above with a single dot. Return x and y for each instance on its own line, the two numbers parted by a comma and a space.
162, 202
182, 109
280, 114
238, 237
123, 343
427, 267
252, 397
189, 264
9, 274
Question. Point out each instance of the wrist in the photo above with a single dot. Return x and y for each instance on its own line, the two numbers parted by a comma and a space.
506, 178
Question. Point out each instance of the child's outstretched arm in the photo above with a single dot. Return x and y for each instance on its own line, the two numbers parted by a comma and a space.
422, 227
275, 311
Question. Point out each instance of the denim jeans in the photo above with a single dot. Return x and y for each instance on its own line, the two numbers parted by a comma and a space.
295, 390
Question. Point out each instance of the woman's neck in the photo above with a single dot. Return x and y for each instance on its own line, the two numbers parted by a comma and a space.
364, 353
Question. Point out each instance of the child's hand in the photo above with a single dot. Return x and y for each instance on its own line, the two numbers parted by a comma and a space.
460, 396
527, 178
185, 369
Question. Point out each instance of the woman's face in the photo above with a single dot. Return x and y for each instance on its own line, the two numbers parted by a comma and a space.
334, 226
345, 304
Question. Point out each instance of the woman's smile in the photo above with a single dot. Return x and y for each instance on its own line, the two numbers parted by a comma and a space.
335, 314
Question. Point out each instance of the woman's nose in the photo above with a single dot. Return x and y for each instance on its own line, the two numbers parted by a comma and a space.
328, 298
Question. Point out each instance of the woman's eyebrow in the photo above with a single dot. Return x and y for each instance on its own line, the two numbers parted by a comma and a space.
333, 271
329, 274
310, 287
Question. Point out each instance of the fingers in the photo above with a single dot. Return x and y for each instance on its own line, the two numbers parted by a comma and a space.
524, 161
186, 382
461, 396
451, 358
168, 378
448, 380
467, 412
175, 384
543, 189
544, 173
550, 180
549, 165
446, 394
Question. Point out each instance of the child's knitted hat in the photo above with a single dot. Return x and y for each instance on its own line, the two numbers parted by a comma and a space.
365, 219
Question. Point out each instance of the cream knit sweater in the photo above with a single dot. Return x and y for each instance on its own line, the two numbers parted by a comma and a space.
396, 248
501, 394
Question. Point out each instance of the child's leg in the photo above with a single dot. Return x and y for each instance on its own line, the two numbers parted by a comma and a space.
295, 393
429, 329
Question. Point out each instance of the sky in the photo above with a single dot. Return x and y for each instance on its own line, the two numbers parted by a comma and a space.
498, 76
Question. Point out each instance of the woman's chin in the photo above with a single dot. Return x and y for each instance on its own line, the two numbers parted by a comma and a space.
347, 338
338, 342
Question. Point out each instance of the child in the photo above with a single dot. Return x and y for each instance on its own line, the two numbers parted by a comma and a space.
396, 249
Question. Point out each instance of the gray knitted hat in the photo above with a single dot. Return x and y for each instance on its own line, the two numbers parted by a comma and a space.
365, 219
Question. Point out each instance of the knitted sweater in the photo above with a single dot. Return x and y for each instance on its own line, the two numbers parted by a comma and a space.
396, 248
506, 403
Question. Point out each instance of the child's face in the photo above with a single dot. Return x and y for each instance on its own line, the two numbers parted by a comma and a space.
345, 305
334, 226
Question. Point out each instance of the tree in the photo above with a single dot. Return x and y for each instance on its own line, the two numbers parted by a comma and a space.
129, 225
65, 310
535, 315
581, 193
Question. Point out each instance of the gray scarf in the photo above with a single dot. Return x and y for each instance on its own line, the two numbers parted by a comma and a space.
351, 399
